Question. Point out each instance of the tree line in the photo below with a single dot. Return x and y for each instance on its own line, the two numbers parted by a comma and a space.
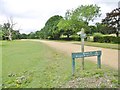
67, 26
58, 26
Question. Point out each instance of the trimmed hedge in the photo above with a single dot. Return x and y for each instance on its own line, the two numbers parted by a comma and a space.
72, 38
106, 39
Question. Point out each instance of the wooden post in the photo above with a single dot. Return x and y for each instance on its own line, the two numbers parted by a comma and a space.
82, 45
73, 66
99, 61
82, 48
82, 35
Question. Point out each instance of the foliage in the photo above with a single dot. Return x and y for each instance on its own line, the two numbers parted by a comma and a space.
73, 21
23, 36
16, 34
76, 19
9, 28
7, 31
1, 33
31, 35
66, 27
104, 28
50, 29
107, 39
98, 34
86, 13
112, 19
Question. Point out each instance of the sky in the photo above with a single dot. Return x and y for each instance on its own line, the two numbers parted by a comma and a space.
31, 15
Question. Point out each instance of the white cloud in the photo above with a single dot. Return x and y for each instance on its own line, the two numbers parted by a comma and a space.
31, 15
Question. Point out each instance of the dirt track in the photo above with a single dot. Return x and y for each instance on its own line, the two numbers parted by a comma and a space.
109, 56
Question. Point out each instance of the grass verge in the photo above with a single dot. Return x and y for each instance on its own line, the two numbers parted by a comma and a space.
94, 44
102, 45
0, 65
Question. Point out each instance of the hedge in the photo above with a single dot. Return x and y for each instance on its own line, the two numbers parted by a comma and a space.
106, 39
72, 38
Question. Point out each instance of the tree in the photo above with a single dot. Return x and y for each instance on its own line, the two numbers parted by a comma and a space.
8, 28
79, 18
31, 35
43, 33
50, 29
37, 34
86, 13
1, 32
112, 19
23, 36
104, 28
8, 32
16, 34
92, 29
65, 27
71, 23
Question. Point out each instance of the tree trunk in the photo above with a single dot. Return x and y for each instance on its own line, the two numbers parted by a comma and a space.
117, 34
68, 37
10, 35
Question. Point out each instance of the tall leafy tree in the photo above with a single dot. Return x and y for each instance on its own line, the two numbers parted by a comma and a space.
86, 13
73, 21
104, 28
51, 30
65, 26
31, 35
112, 19
92, 29
23, 36
16, 34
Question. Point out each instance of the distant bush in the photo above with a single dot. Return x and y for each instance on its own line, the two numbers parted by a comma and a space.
72, 38
98, 34
75, 37
106, 39
97, 37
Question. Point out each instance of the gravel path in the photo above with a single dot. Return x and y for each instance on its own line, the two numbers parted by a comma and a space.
109, 56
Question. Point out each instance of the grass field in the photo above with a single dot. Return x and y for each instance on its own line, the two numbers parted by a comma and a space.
95, 44
0, 65
29, 64
103, 45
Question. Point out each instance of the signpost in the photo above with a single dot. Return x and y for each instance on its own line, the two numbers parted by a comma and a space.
83, 35
84, 54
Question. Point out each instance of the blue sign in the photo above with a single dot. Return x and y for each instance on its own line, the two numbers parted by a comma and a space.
86, 54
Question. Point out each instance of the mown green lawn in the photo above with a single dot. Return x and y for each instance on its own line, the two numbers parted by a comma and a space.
27, 64
0, 64
94, 44
102, 45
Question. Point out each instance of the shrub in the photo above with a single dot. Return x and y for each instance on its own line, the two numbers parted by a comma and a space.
111, 39
98, 34
107, 39
76, 38
97, 37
